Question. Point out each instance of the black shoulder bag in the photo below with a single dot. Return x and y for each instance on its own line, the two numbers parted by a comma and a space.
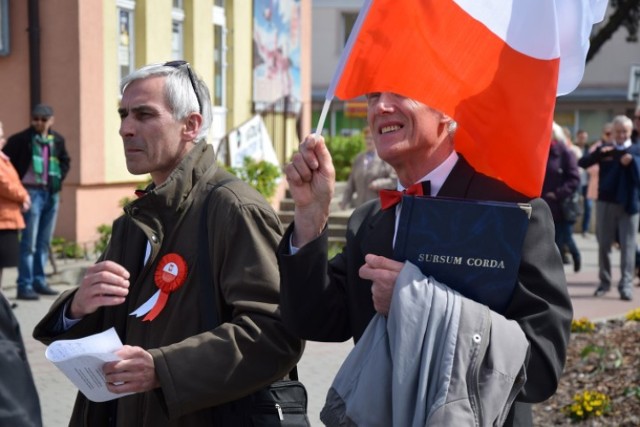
283, 403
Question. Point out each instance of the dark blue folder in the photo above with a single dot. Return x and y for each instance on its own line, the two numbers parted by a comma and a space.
471, 246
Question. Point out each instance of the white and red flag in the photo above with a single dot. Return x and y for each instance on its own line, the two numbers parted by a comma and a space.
495, 66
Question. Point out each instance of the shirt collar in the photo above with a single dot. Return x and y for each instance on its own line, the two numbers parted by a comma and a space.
624, 145
439, 175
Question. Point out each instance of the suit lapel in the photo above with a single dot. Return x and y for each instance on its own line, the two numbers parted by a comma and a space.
458, 181
380, 228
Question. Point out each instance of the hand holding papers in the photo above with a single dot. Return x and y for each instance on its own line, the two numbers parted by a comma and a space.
81, 360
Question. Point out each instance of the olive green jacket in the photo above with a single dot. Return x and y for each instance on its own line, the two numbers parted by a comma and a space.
197, 368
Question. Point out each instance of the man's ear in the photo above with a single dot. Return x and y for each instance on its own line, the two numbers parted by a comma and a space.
450, 124
192, 125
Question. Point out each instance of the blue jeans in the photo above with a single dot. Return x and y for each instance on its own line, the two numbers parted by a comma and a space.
40, 221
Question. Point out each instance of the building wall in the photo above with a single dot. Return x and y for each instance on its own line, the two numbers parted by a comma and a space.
71, 81
284, 131
79, 54
327, 43
14, 84
610, 67
239, 57
602, 93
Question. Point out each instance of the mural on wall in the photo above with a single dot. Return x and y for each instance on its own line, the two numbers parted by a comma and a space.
276, 55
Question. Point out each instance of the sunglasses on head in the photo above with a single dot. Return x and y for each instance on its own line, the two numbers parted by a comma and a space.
179, 64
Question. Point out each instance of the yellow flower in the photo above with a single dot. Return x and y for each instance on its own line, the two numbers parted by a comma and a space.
582, 325
633, 315
586, 404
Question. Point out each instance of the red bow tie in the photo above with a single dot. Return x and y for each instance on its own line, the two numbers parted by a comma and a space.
390, 198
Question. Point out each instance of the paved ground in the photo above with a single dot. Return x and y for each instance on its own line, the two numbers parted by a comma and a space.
320, 361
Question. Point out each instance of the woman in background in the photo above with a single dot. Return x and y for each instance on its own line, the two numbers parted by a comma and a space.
560, 182
14, 198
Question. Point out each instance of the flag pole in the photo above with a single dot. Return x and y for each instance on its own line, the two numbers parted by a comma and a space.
341, 62
323, 117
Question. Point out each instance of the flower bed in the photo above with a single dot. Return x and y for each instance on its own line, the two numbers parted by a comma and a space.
601, 381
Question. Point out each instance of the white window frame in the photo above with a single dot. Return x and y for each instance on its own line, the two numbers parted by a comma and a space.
219, 125
177, 46
343, 26
127, 6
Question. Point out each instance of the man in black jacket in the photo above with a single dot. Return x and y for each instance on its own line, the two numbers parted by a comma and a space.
41, 159
618, 205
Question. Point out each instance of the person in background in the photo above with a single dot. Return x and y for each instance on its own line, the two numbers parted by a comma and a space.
561, 180
335, 300
568, 141
635, 134
14, 199
618, 204
593, 171
196, 230
582, 139
635, 139
39, 155
369, 174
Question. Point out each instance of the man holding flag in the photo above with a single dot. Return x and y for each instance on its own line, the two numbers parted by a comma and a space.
336, 301
443, 121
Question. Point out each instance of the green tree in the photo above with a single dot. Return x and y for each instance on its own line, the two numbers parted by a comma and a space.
343, 149
261, 175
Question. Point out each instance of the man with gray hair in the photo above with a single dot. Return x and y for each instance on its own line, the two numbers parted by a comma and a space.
617, 205
196, 230
335, 300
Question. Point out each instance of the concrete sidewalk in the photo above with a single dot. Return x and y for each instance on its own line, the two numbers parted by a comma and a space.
320, 361
583, 284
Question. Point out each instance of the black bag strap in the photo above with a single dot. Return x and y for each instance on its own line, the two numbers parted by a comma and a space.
210, 318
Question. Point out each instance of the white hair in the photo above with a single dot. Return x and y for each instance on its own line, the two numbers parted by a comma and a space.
623, 120
557, 134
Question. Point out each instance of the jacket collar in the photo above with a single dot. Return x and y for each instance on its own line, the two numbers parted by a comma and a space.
459, 179
170, 196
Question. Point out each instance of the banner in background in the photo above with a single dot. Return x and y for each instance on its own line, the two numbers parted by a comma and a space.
251, 139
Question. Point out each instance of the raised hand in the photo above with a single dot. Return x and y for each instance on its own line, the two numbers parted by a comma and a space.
311, 177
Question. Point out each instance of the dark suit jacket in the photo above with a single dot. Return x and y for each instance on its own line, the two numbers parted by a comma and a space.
323, 301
